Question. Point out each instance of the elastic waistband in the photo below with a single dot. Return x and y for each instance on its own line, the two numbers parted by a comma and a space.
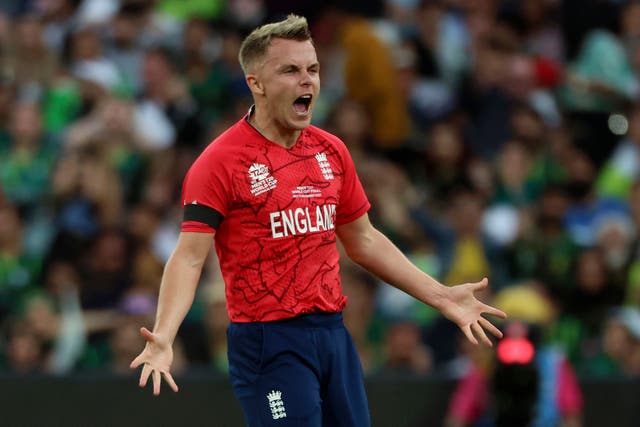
313, 320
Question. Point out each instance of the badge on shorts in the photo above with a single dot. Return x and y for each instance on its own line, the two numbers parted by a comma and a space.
276, 404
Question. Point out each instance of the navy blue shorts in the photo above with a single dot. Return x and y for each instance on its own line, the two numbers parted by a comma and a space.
303, 371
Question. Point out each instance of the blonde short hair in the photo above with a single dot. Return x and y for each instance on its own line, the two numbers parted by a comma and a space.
255, 45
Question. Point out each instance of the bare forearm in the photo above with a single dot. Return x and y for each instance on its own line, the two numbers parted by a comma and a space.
372, 250
177, 291
381, 257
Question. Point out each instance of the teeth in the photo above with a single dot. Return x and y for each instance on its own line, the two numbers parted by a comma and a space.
306, 97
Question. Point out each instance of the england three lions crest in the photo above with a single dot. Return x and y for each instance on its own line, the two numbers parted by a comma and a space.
325, 166
276, 405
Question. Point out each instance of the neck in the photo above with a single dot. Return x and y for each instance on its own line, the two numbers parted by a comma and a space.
272, 130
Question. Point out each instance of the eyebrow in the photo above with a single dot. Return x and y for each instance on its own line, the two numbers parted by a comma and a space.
296, 67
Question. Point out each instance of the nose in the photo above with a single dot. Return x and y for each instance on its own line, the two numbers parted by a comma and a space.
305, 79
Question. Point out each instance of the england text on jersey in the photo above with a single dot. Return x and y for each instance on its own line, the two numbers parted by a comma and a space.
302, 221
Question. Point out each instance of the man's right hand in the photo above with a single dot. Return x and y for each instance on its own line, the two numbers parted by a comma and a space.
156, 359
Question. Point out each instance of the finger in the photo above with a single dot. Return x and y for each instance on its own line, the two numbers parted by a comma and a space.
494, 311
144, 375
478, 331
169, 379
147, 334
136, 362
467, 332
489, 327
156, 382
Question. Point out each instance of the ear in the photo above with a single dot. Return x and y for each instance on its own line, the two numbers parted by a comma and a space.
255, 85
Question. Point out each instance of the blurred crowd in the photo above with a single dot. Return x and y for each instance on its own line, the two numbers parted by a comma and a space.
494, 138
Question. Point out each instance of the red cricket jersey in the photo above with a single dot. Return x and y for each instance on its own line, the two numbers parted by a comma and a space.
274, 211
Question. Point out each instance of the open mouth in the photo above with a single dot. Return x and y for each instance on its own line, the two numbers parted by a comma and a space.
301, 104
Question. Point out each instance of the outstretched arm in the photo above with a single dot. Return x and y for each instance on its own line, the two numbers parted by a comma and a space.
375, 252
177, 290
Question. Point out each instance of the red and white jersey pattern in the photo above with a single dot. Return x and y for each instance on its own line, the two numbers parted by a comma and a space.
275, 212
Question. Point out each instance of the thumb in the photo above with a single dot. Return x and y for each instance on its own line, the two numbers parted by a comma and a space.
482, 284
147, 334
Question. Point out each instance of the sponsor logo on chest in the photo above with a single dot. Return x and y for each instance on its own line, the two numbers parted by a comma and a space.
261, 179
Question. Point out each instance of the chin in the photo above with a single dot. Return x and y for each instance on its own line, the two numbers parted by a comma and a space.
300, 124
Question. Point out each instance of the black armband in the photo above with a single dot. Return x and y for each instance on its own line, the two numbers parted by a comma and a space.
203, 214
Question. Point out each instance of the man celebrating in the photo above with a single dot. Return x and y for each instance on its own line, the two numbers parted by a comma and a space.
276, 191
